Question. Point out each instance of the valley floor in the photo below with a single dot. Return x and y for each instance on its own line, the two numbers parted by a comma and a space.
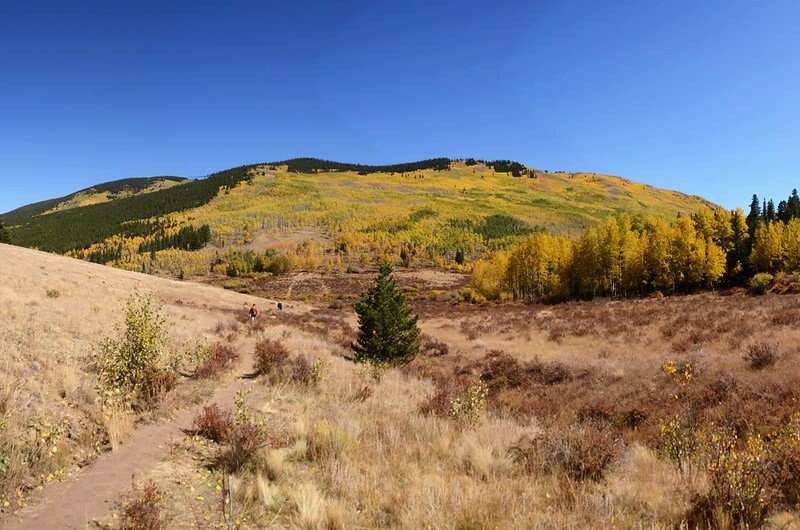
629, 414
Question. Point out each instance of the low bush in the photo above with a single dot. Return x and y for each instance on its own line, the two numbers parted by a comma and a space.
761, 355
143, 509
212, 423
272, 358
433, 347
760, 283
440, 402
786, 284
470, 406
736, 480
582, 452
500, 370
786, 317
242, 444
156, 382
680, 440
219, 359
307, 372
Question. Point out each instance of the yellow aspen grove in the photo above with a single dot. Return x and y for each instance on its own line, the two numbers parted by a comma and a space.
536, 267
767, 254
488, 276
791, 246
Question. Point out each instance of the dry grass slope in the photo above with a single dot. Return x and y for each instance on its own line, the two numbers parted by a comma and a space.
55, 312
627, 414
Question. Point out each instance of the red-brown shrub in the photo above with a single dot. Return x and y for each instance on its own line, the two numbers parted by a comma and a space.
220, 359
440, 402
142, 509
302, 370
582, 452
761, 355
156, 382
786, 317
272, 357
500, 370
242, 445
212, 423
432, 346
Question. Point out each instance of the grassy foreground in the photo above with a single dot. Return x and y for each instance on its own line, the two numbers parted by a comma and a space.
663, 412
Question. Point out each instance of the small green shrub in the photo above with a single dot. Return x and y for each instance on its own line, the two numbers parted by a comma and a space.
760, 283
130, 367
53, 293
279, 265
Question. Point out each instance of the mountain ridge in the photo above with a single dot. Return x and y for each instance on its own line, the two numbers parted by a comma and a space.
436, 208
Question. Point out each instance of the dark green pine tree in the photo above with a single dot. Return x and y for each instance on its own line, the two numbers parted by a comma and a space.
5, 236
769, 212
388, 333
754, 216
793, 205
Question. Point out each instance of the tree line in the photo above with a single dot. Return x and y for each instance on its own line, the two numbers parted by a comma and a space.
502, 166
113, 188
187, 238
316, 165
79, 228
633, 256
5, 236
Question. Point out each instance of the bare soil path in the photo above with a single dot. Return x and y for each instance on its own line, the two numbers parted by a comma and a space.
93, 492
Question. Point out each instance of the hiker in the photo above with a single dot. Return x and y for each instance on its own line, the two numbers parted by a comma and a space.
253, 313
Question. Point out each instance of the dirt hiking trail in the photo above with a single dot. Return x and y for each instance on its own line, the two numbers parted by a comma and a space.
94, 490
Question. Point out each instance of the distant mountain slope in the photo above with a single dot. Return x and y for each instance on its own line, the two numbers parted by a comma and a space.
430, 210
104, 192
79, 227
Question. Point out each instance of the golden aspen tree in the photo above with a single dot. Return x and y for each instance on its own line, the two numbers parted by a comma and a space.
536, 267
687, 254
488, 276
767, 253
791, 246
657, 260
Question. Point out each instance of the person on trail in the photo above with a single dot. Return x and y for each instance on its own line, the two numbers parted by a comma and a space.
253, 313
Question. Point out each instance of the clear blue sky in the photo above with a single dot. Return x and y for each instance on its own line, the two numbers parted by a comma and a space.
703, 97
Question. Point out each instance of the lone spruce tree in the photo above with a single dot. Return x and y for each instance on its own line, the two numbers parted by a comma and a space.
388, 332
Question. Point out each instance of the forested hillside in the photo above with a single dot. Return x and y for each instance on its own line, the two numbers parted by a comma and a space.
78, 228
109, 190
310, 213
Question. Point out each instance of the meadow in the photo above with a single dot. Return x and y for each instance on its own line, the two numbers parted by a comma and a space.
657, 412
629, 414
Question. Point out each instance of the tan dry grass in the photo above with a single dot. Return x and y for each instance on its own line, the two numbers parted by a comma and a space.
47, 396
343, 460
